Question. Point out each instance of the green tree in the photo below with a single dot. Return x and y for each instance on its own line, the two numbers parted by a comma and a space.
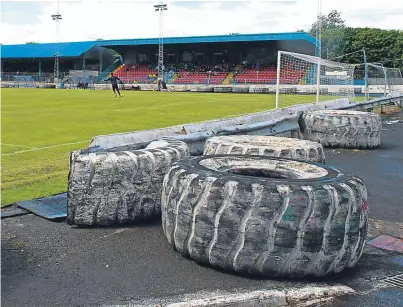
333, 42
332, 27
332, 21
384, 46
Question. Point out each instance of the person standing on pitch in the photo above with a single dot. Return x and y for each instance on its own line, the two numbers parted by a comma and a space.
114, 82
162, 85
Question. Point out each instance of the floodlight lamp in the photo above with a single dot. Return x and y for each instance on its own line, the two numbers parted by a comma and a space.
159, 7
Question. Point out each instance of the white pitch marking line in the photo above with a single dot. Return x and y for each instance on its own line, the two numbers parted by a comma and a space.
14, 145
41, 148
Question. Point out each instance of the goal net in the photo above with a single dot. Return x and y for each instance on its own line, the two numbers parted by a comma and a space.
395, 80
83, 82
382, 80
377, 80
303, 78
24, 81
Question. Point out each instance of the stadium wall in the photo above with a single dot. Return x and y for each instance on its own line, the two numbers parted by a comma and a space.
269, 89
300, 89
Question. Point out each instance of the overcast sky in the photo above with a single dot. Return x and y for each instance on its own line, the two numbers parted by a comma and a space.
23, 21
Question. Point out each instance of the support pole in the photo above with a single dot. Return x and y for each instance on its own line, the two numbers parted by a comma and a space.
383, 107
318, 81
366, 75
278, 78
57, 17
100, 59
385, 80
84, 64
40, 70
318, 47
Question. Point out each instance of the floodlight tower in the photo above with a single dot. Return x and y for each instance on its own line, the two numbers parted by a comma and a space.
57, 17
318, 50
161, 8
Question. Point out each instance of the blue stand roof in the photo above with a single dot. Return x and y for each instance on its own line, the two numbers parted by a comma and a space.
75, 49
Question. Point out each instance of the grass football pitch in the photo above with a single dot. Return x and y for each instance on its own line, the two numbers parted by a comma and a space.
41, 126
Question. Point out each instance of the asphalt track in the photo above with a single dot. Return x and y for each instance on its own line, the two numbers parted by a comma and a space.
52, 264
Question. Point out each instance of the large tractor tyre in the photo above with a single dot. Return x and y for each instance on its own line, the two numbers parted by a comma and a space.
265, 215
118, 187
271, 146
343, 129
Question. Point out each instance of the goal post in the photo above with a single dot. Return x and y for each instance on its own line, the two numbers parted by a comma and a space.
382, 80
303, 78
377, 78
24, 81
394, 80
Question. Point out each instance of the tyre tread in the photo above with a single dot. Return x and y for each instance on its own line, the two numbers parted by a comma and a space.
345, 129
231, 227
107, 188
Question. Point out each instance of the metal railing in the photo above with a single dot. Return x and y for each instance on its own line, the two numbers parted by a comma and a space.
108, 70
37, 77
396, 99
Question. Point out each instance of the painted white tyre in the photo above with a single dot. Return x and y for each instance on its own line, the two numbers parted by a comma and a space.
344, 129
271, 146
122, 185
265, 215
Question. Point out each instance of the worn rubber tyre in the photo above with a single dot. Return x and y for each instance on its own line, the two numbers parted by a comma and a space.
117, 187
265, 215
344, 129
265, 146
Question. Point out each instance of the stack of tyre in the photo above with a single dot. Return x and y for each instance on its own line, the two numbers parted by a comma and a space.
251, 204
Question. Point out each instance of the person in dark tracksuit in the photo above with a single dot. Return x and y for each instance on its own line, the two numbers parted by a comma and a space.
162, 85
114, 81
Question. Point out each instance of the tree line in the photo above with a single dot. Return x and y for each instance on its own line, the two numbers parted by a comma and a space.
381, 46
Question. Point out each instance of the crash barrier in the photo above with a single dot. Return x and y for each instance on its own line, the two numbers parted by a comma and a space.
396, 99
272, 122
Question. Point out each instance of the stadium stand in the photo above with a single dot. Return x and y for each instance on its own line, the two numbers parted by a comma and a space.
181, 74
212, 60
266, 75
205, 74
136, 73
